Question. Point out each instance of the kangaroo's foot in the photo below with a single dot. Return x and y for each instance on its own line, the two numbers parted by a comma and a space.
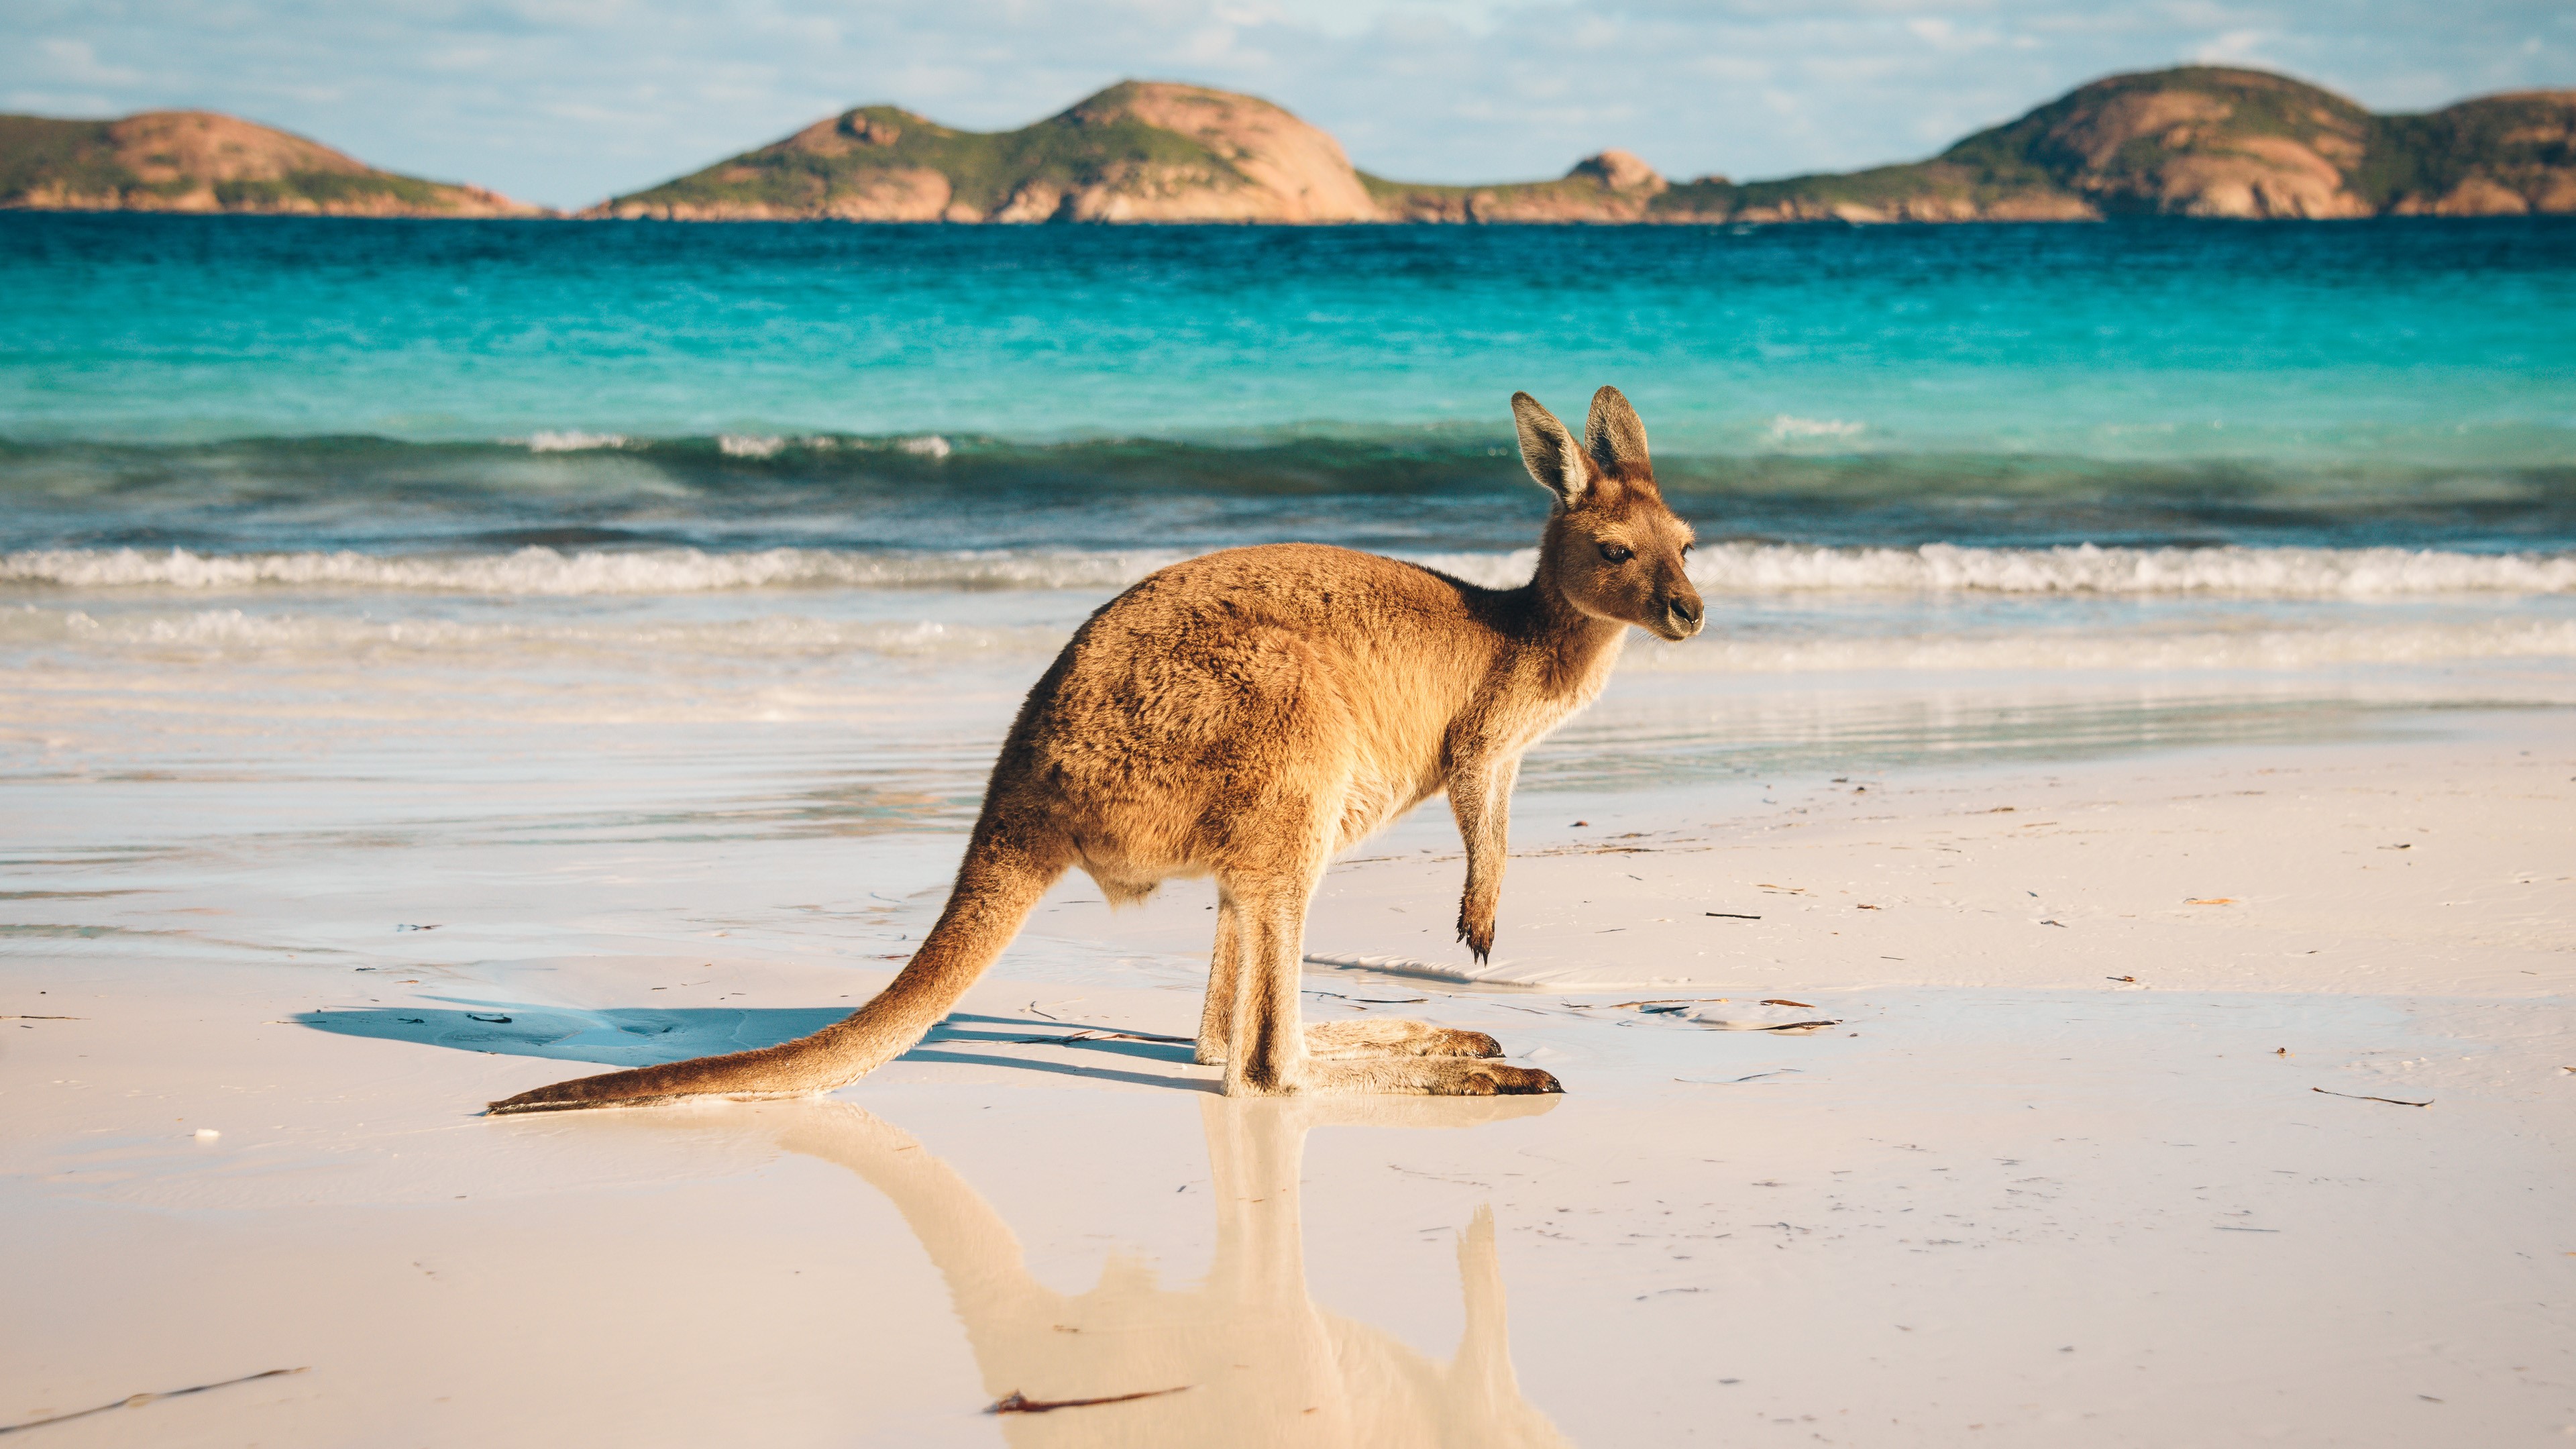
1410, 1076
1335, 1041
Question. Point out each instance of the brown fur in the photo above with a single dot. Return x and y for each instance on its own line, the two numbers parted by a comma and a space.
1246, 715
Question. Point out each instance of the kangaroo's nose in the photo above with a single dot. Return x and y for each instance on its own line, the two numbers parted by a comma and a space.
1686, 610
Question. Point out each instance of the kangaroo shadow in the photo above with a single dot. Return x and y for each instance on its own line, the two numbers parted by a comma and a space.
1254, 1360
648, 1036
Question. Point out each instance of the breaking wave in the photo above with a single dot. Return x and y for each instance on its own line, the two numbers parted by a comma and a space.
1735, 568
336, 640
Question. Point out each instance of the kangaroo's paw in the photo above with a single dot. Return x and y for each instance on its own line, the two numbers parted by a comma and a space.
1344, 1040
1427, 1077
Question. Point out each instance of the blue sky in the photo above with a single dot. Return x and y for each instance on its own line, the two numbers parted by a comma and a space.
567, 101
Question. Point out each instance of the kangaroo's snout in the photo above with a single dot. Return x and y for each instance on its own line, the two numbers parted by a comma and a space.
1684, 613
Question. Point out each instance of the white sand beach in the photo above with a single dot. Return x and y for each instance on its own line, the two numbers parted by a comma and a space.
2200, 1096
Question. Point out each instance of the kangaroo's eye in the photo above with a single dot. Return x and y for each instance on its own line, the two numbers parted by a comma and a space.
1617, 552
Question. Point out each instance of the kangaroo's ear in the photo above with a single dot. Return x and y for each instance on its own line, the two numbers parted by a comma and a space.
1615, 436
1549, 452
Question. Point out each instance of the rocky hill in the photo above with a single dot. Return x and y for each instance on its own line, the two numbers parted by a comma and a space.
1139, 151
203, 161
2197, 141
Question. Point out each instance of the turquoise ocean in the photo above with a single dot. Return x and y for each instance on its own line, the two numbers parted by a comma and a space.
828, 495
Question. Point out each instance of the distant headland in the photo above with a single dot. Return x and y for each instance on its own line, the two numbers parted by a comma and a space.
207, 161
2205, 141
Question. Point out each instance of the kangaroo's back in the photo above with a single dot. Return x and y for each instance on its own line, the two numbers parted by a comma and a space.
1224, 688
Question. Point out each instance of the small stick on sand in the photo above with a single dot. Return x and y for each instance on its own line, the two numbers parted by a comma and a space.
136, 1401
1097, 1034
1016, 1402
2391, 1101
1731, 915
1666, 1001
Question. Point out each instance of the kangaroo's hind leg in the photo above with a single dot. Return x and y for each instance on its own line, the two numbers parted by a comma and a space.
1268, 1053
1327, 1040
1225, 976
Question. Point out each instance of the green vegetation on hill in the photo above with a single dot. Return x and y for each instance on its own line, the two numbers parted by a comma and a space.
851, 159
328, 191
78, 156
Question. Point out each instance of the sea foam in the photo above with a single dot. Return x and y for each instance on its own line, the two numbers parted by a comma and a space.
1732, 568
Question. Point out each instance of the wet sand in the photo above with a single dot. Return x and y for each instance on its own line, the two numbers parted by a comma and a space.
2007, 1196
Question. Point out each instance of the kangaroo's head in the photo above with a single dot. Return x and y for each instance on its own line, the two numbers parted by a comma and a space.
1612, 548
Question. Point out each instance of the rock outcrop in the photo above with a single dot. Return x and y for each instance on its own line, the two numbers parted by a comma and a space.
1614, 186
206, 161
1139, 151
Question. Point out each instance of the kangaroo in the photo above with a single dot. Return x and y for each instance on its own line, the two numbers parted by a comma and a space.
1247, 715
1316, 1377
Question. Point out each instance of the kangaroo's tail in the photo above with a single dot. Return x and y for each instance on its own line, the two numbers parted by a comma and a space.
996, 887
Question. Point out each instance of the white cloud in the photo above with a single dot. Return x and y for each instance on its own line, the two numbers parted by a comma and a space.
77, 62
2234, 47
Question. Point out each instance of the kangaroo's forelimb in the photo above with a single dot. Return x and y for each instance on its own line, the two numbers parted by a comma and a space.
1480, 796
996, 886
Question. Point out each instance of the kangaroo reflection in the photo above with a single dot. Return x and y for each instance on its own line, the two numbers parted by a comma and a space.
1262, 1363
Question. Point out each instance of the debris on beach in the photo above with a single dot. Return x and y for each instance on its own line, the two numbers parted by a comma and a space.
1097, 1033
1016, 1402
136, 1401
2359, 1097
1369, 1000
1778, 1016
